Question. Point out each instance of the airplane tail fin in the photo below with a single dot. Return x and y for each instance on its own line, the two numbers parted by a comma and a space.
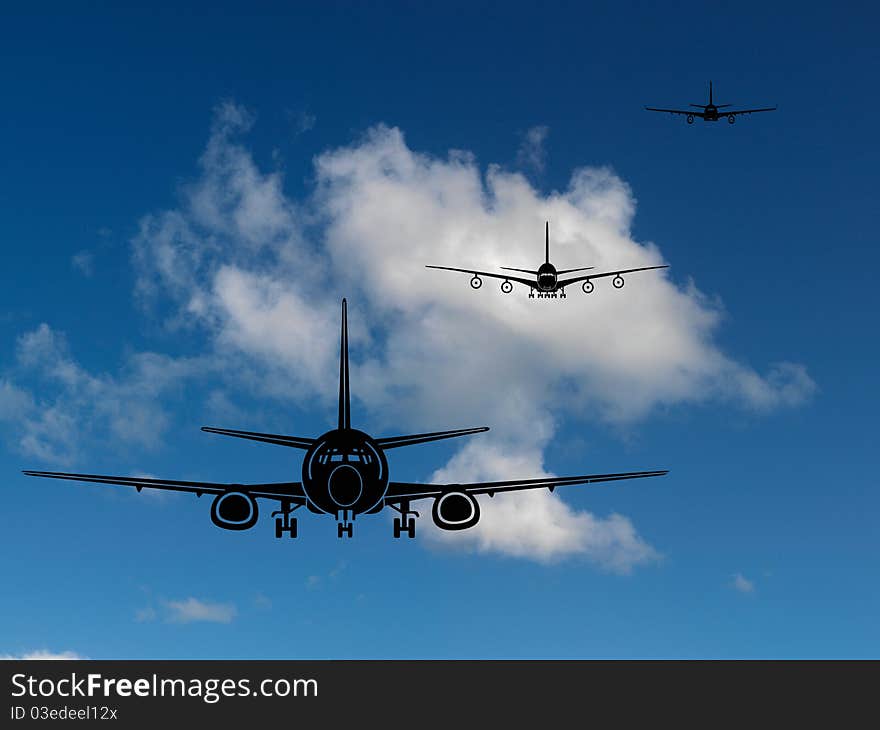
344, 393
547, 242
710, 94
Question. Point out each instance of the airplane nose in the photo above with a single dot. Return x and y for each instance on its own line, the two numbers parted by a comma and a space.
345, 485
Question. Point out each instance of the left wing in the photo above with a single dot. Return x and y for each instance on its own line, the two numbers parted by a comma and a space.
749, 111
528, 282
687, 112
575, 279
400, 491
290, 491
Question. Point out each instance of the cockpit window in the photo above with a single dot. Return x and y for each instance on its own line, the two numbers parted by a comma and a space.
355, 455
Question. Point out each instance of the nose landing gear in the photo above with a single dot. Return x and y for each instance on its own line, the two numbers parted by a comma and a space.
344, 526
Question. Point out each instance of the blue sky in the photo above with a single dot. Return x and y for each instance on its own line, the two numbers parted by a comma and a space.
120, 129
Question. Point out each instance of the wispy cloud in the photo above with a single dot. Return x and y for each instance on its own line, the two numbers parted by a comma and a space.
742, 584
84, 262
531, 153
43, 654
192, 610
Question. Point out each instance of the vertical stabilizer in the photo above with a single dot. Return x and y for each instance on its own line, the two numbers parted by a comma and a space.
344, 394
710, 94
547, 242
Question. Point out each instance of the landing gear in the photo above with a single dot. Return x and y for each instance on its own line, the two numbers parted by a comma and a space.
562, 293
406, 523
284, 522
547, 295
531, 293
344, 526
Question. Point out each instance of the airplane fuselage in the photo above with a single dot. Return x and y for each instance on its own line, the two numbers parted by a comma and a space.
547, 277
345, 470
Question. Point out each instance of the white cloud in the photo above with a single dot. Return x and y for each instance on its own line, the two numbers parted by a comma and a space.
75, 406
84, 262
531, 153
191, 609
43, 654
429, 351
742, 584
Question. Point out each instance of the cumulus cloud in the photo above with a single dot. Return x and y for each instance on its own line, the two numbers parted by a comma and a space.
43, 654
261, 276
742, 584
192, 610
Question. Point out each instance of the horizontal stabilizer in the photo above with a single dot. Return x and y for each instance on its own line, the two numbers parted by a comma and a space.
296, 442
394, 442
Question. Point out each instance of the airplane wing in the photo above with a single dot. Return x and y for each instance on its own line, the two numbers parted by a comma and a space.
403, 491
576, 279
393, 442
528, 282
686, 112
289, 491
296, 442
749, 111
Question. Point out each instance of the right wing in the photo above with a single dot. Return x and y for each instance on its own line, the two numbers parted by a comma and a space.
402, 491
296, 442
575, 279
532, 283
393, 442
289, 491
751, 111
677, 111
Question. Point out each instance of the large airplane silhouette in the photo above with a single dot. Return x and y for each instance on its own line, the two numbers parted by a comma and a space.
344, 474
547, 282
710, 111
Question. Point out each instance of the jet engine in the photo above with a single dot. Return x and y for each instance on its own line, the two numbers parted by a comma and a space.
234, 511
455, 511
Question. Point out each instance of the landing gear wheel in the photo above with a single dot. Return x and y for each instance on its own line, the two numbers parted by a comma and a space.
476, 282
617, 282
588, 287
531, 293
562, 293
342, 529
281, 528
506, 286
409, 527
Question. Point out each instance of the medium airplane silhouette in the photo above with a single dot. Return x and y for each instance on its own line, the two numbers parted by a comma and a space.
710, 111
344, 474
547, 282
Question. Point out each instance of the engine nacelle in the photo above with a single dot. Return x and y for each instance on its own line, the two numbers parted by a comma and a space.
455, 511
234, 511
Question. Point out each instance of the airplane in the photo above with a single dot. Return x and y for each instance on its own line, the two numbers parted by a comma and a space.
547, 282
344, 474
710, 111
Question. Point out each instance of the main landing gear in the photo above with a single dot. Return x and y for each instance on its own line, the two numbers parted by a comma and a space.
344, 526
548, 295
284, 522
406, 522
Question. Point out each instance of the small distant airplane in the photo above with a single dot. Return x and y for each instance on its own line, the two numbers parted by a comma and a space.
345, 474
547, 282
710, 111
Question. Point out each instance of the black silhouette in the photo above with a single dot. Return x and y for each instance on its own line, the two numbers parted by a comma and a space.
345, 474
710, 111
547, 282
